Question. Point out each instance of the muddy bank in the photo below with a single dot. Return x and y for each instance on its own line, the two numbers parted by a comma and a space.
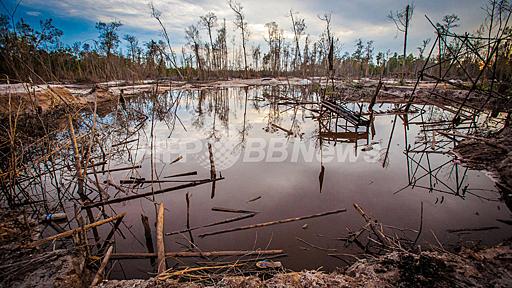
44, 98
469, 268
22, 267
492, 152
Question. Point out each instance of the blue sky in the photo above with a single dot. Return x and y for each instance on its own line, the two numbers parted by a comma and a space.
353, 19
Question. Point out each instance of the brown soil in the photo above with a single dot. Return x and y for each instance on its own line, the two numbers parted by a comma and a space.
32, 268
493, 153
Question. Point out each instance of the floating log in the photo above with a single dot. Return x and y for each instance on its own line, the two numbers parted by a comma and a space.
160, 247
144, 181
229, 210
125, 142
282, 129
71, 232
213, 224
137, 255
272, 223
254, 199
473, 229
116, 169
182, 174
136, 196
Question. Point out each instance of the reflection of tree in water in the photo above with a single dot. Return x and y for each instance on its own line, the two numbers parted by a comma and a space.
244, 132
213, 103
198, 118
274, 116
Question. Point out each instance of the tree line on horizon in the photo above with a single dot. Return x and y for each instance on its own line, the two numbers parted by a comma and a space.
36, 54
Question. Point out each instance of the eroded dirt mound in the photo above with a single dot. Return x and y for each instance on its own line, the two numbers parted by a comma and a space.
492, 153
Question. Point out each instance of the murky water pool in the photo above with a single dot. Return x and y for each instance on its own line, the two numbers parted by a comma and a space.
284, 157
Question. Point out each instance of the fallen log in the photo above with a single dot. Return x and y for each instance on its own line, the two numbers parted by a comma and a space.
136, 196
272, 223
116, 169
71, 232
229, 220
182, 174
229, 210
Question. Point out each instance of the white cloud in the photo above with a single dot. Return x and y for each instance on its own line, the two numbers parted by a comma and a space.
351, 20
34, 13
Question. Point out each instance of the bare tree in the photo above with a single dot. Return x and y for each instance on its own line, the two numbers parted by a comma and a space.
192, 35
421, 49
133, 44
155, 13
256, 54
402, 20
274, 45
299, 26
241, 24
209, 21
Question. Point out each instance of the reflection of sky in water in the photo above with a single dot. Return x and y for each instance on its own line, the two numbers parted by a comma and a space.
292, 188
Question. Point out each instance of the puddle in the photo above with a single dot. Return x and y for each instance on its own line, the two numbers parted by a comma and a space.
284, 160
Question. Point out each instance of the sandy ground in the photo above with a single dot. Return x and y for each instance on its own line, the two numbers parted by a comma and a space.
44, 98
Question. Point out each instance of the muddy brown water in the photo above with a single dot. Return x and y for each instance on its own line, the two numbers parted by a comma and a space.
281, 172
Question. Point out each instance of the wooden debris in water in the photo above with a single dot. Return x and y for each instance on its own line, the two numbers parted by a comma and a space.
182, 174
282, 129
99, 274
229, 220
160, 247
273, 223
229, 210
177, 159
254, 199
116, 169
473, 229
136, 196
315, 246
187, 254
71, 232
